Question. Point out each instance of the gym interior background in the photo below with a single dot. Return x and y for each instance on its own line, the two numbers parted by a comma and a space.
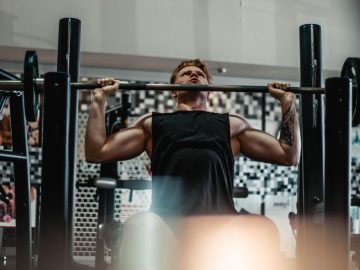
245, 42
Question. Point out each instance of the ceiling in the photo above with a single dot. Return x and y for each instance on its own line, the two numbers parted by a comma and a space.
156, 64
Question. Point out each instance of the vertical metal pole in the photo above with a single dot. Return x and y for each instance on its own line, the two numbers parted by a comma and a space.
337, 172
263, 127
105, 211
54, 183
22, 180
311, 175
107, 197
22, 184
100, 242
263, 112
69, 62
311, 118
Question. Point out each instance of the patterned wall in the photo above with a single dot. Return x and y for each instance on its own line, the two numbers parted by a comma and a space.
274, 186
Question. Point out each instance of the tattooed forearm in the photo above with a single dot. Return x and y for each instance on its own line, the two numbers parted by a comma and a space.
288, 125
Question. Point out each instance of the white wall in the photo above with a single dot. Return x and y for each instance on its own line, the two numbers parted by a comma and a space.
238, 32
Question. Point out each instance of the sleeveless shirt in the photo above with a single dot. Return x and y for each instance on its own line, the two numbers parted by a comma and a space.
192, 164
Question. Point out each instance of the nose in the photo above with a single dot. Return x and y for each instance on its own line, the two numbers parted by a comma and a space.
193, 74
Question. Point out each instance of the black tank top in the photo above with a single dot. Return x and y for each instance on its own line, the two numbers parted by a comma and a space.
192, 163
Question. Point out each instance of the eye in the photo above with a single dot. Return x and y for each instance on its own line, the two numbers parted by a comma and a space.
201, 74
186, 73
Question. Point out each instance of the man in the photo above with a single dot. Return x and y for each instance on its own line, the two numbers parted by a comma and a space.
200, 166
192, 150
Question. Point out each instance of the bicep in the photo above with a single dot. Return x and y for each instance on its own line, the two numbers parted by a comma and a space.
124, 144
261, 146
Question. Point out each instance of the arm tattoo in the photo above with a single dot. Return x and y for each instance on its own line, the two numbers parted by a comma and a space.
287, 126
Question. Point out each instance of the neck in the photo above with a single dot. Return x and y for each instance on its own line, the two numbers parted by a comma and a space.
192, 105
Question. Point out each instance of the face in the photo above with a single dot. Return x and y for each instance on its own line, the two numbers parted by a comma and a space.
191, 75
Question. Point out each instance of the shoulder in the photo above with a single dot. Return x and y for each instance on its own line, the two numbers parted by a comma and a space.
143, 119
236, 119
147, 119
144, 122
238, 123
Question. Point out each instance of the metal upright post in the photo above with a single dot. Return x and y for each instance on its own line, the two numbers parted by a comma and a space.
53, 245
107, 196
311, 119
20, 158
69, 62
337, 172
311, 175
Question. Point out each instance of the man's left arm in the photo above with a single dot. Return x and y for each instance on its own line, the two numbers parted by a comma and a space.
289, 132
264, 147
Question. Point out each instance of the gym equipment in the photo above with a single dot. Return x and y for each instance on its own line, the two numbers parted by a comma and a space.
351, 69
32, 86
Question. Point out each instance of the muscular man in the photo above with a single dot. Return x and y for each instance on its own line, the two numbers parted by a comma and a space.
192, 150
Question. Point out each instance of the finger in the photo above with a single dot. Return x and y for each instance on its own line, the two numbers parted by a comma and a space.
110, 81
102, 82
284, 85
117, 83
279, 85
271, 85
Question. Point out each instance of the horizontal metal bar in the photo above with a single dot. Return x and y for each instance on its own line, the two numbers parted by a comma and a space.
18, 85
204, 87
11, 156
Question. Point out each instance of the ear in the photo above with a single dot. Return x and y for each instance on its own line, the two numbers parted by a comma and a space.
208, 96
174, 94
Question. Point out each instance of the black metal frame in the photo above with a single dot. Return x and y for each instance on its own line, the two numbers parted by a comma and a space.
311, 168
20, 158
59, 156
338, 121
69, 62
54, 214
115, 118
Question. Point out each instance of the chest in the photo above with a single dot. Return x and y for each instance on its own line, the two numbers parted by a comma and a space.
197, 127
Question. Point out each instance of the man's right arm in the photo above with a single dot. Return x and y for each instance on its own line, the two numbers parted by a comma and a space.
122, 145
